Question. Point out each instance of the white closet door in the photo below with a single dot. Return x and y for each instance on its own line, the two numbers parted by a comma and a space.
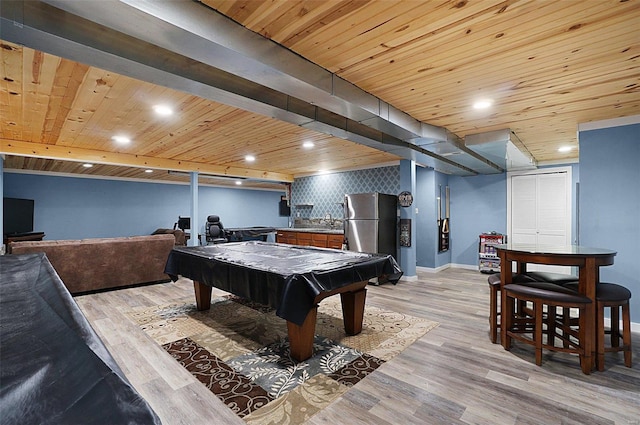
524, 216
553, 211
540, 211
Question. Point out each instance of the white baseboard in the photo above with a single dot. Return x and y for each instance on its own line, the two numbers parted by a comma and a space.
446, 266
431, 269
465, 266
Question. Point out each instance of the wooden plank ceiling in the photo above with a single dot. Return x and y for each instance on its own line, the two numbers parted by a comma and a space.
547, 65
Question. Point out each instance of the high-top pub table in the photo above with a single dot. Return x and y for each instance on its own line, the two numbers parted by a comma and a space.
588, 260
291, 279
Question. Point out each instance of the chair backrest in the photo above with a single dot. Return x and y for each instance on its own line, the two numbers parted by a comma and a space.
214, 228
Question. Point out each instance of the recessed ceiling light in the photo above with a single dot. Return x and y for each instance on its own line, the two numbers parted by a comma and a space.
163, 110
308, 145
238, 183
483, 104
249, 158
122, 140
148, 171
87, 165
564, 149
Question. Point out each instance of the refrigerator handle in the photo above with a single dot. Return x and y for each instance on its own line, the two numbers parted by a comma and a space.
345, 209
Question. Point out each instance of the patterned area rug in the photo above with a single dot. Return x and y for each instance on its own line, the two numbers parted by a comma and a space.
240, 351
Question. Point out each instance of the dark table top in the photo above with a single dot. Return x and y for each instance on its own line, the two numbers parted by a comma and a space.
55, 368
285, 277
555, 249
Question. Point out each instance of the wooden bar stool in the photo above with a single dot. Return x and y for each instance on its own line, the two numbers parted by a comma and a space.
494, 324
615, 297
494, 296
538, 323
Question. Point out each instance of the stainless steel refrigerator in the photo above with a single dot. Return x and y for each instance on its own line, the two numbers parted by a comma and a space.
370, 222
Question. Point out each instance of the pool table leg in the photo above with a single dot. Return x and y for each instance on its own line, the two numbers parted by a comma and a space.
353, 310
301, 336
203, 295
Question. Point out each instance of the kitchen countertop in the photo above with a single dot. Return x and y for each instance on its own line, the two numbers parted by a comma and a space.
312, 230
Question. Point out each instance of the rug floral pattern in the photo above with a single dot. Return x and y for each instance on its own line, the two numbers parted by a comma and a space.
240, 351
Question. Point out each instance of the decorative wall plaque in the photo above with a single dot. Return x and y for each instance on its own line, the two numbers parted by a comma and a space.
405, 199
405, 232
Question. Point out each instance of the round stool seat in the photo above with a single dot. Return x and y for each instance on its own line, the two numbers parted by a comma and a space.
548, 291
607, 291
494, 279
612, 292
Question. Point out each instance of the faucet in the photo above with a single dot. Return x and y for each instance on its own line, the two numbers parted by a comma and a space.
328, 219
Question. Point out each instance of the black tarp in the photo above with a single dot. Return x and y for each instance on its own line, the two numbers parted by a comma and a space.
285, 277
54, 369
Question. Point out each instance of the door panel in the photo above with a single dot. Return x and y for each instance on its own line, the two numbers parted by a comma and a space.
362, 235
362, 206
523, 206
540, 211
552, 208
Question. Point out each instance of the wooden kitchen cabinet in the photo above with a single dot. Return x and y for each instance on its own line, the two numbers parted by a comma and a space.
304, 238
284, 236
321, 240
335, 241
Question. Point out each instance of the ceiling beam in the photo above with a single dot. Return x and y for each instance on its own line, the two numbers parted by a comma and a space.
38, 150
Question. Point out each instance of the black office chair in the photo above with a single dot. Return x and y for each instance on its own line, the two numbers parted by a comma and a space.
214, 230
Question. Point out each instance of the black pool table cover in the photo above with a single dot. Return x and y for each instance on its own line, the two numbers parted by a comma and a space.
54, 368
285, 277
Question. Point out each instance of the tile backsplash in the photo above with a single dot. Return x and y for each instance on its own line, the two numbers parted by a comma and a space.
317, 197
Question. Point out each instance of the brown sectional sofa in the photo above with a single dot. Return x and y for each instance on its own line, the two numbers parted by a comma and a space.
102, 263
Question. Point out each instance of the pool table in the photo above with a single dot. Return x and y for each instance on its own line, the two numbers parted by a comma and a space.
291, 279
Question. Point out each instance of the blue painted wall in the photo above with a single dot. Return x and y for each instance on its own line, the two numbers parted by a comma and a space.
441, 180
428, 182
610, 202
425, 226
76, 208
478, 205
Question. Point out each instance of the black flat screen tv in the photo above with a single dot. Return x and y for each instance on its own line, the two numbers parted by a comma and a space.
18, 216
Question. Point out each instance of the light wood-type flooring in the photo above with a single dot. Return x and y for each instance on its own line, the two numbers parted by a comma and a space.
452, 375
